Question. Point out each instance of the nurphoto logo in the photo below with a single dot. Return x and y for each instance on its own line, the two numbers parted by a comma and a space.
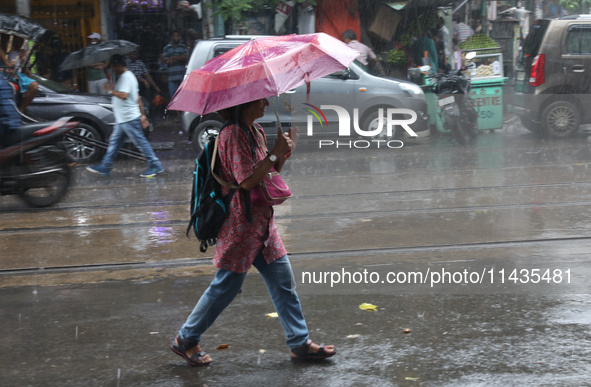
380, 134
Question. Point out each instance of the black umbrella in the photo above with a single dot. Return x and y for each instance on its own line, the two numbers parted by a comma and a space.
20, 26
96, 53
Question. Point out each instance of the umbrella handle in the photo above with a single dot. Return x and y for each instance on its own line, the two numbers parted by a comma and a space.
277, 115
307, 80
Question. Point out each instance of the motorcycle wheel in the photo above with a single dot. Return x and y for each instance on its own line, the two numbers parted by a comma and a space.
456, 126
52, 192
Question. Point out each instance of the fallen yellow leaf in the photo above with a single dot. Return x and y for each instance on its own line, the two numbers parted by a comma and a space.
369, 307
272, 315
223, 346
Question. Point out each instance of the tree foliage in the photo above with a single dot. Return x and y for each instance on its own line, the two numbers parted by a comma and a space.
234, 10
574, 7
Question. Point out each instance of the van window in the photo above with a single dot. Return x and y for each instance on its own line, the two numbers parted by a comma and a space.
578, 40
532, 43
219, 50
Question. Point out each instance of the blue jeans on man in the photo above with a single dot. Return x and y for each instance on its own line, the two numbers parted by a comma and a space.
226, 285
173, 87
132, 130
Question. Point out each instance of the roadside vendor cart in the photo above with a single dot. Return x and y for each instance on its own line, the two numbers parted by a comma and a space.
487, 81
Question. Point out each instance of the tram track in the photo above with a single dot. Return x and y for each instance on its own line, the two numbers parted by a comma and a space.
295, 256
296, 214
351, 214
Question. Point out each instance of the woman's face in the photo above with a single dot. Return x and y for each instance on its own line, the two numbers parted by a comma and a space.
256, 109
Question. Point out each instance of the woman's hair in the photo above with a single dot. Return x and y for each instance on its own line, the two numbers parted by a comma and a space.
232, 113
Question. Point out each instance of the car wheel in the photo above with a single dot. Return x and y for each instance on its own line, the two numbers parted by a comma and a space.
203, 132
81, 149
372, 121
561, 119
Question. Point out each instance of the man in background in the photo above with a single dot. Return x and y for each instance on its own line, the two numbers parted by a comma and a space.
145, 80
175, 55
139, 69
130, 119
461, 30
95, 73
366, 56
445, 42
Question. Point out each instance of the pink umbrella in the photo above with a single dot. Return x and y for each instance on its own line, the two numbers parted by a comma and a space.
261, 68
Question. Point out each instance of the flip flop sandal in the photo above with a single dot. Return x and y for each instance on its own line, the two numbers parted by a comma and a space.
302, 352
180, 347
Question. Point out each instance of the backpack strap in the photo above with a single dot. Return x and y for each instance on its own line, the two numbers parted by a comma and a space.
260, 136
215, 175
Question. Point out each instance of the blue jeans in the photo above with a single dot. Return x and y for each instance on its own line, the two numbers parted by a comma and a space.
225, 286
133, 130
173, 86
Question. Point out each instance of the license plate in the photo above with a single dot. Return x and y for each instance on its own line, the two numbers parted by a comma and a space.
446, 101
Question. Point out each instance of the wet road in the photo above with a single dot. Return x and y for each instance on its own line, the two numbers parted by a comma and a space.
510, 204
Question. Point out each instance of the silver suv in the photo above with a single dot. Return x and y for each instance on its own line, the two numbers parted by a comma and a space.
352, 88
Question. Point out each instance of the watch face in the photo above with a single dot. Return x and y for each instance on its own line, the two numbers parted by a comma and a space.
273, 158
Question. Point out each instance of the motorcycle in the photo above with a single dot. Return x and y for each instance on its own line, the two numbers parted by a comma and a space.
456, 107
33, 164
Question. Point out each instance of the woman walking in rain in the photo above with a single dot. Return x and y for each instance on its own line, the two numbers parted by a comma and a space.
243, 243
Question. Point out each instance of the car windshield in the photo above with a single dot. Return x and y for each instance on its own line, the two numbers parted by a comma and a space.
59, 88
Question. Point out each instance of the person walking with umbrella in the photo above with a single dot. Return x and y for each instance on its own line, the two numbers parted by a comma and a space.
130, 118
236, 84
95, 73
247, 241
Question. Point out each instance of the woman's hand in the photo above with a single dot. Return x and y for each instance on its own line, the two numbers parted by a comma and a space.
283, 143
294, 137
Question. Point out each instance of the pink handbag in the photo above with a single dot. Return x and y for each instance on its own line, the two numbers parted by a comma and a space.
271, 191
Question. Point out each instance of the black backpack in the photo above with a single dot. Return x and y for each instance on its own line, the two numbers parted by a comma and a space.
208, 207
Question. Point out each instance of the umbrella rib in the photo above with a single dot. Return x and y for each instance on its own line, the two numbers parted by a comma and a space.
268, 72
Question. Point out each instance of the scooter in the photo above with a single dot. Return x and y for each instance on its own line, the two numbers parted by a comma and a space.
33, 164
456, 107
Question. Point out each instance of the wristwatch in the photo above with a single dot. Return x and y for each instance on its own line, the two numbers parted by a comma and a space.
273, 158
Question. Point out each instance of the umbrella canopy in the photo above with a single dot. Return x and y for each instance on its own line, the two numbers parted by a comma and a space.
261, 68
96, 53
20, 26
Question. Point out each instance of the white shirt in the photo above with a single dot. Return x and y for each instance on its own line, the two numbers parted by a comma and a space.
366, 54
128, 109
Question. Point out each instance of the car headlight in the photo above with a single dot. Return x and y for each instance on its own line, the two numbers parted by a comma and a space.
411, 88
106, 105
